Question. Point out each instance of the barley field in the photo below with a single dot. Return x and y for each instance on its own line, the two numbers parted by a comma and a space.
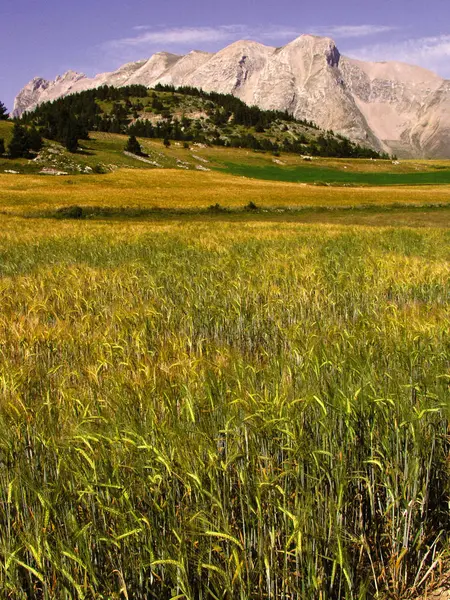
218, 407
170, 189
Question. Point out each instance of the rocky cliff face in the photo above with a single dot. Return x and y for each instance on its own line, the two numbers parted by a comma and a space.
389, 106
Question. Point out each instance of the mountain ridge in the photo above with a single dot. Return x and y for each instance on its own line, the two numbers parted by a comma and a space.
388, 106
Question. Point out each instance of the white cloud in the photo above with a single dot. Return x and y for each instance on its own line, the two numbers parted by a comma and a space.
193, 36
181, 36
353, 31
430, 52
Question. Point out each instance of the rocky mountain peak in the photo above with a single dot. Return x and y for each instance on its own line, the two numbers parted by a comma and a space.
388, 105
70, 76
313, 45
333, 55
38, 83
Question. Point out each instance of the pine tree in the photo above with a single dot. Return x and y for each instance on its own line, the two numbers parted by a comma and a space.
70, 136
19, 146
71, 142
35, 139
133, 146
3, 112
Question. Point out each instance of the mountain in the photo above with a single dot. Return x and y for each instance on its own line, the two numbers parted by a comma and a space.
388, 106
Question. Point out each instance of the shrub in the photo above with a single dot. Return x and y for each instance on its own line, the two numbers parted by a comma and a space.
216, 208
70, 212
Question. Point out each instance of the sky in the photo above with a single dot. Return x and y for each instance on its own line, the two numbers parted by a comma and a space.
48, 37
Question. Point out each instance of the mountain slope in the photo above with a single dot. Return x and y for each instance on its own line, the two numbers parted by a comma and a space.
185, 114
388, 106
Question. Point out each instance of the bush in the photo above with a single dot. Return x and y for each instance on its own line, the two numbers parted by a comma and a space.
70, 212
216, 208
2, 146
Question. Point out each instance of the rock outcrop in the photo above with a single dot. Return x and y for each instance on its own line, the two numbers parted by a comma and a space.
389, 106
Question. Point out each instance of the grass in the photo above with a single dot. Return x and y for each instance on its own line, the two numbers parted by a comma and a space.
189, 190
6, 130
326, 175
228, 403
106, 150
222, 409
376, 216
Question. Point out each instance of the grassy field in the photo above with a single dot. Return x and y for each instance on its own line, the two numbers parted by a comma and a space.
325, 174
125, 191
106, 151
203, 403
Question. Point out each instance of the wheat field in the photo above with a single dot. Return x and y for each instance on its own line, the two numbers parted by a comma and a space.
204, 409
178, 189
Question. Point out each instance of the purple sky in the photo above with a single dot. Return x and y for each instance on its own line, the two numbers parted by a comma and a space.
48, 38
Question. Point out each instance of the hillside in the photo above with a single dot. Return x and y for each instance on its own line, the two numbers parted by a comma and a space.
187, 129
104, 153
6, 130
392, 107
187, 115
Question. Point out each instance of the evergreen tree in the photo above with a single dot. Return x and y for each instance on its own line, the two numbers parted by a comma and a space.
3, 112
70, 136
71, 142
35, 139
133, 146
19, 146
2, 146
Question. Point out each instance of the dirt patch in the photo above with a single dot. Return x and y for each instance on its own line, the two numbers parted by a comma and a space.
440, 592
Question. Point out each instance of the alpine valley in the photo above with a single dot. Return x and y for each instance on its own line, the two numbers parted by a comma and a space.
388, 106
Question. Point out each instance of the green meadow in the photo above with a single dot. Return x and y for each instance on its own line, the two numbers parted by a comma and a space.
323, 174
104, 151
